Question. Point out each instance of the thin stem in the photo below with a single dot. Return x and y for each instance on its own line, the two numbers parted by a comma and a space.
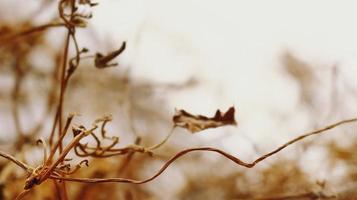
44, 146
223, 153
304, 136
70, 31
22, 194
24, 166
10, 38
64, 153
163, 141
60, 139
162, 169
53, 129
61, 190
15, 97
63, 85
125, 162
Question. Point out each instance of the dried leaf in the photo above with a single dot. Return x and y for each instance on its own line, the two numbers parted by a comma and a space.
196, 123
102, 61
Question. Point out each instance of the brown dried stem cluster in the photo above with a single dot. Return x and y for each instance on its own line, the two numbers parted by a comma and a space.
58, 169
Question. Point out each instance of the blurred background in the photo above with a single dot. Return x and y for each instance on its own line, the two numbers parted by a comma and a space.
287, 67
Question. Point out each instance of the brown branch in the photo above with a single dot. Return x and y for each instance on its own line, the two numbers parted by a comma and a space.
19, 75
99, 151
61, 190
304, 136
63, 86
64, 153
60, 139
223, 153
22, 194
10, 38
24, 166
64, 80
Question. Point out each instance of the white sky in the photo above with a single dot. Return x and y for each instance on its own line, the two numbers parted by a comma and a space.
233, 47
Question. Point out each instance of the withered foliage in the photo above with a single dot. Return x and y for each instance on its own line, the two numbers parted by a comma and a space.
102, 61
97, 161
198, 123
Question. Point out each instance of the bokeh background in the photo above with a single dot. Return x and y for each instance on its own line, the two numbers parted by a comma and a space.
287, 66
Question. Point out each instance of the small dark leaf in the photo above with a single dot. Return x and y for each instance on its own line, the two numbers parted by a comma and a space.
84, 50
102, 61
93, 4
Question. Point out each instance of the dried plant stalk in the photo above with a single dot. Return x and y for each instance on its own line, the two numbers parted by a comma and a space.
207, 149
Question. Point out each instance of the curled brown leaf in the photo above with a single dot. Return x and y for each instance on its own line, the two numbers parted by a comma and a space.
102, 61
196, 123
